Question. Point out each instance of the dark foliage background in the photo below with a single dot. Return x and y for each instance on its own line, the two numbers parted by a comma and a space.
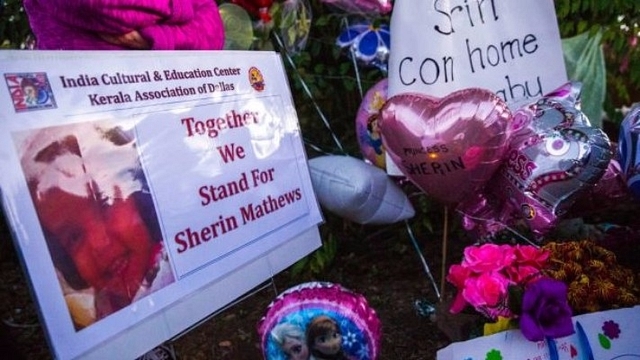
379, 262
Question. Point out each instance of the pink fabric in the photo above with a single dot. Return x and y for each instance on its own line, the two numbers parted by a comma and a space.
165, 24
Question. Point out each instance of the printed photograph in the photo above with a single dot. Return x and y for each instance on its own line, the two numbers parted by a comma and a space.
30, 91
97, 216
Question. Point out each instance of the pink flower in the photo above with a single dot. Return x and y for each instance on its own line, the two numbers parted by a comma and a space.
488, 257
522, 274
457, 276
487, 293
531, 255
529, 260
486, 273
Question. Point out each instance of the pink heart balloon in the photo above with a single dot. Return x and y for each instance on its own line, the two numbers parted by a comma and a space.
449, 147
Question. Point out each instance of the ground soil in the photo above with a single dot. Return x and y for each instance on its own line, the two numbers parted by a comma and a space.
378, 262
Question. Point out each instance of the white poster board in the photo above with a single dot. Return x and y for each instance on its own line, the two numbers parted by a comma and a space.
604, 335
512, 48
146, 190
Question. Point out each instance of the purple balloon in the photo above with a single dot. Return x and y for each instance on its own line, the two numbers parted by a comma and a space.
373, 7
629, 148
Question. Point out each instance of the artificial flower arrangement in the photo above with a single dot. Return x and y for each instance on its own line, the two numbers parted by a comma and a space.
539, 288
505, 283
595, 280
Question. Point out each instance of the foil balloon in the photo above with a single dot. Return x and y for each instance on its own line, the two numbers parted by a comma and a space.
371, 7
300, 316
238, 28
369, 43
294, 23
554, 157
629, 147
367, 128
448, 147
610, 192
358, 191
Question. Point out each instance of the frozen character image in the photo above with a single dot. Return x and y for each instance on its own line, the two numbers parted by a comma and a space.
97, 216
291, 339
324, 339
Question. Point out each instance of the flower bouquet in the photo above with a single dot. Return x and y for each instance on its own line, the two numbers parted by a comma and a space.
560, 300
540, 289
507, 285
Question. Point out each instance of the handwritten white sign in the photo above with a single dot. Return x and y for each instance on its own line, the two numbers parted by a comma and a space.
147, 192
512, 48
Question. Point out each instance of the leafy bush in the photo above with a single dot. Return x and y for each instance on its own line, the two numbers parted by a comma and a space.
619, 21
14, 25
327, 86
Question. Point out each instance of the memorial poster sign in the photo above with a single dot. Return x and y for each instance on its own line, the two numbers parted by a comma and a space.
146, 190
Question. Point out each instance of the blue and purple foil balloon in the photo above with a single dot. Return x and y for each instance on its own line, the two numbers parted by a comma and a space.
629, 149
369, 43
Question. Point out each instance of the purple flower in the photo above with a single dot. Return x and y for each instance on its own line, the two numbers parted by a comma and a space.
545, 310
611, 329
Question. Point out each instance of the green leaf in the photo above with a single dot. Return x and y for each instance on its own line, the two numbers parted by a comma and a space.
604, 341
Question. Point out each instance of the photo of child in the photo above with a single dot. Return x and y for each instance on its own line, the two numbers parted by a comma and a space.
97, 216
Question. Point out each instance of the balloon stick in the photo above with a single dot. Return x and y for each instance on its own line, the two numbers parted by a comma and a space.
307, 91
445, 235
345, 24
422, 259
